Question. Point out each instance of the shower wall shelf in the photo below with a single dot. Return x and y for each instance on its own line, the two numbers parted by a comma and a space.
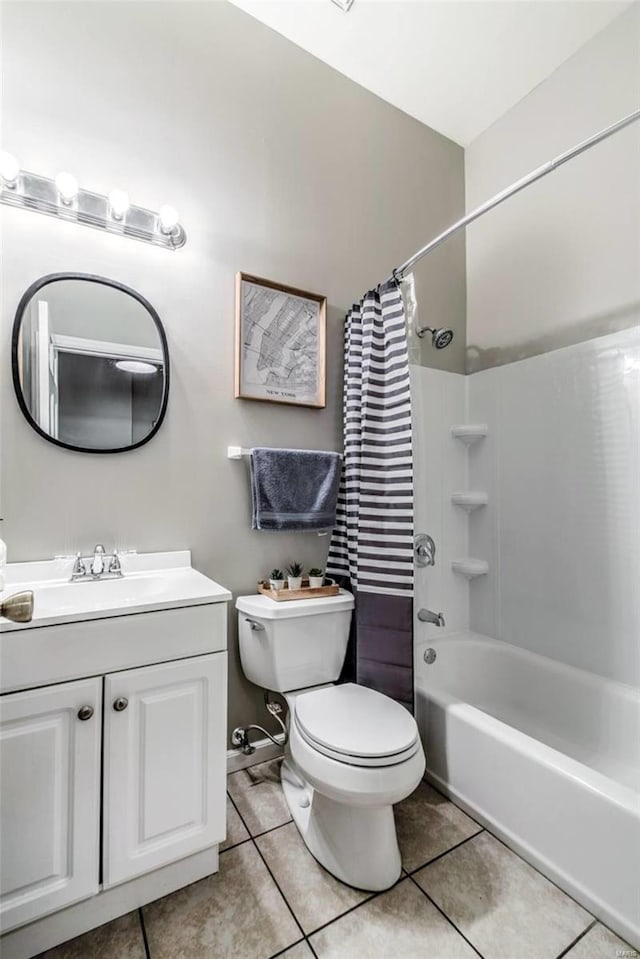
470, 567
469, 433
469, 500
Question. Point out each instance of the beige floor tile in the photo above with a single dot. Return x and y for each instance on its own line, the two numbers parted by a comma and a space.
502, 905
314, 895
257, 793
121, 938
236, 914
428, 825
236, 829
601, 943
399, 924
300, 951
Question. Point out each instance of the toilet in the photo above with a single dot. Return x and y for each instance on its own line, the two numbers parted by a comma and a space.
352, 753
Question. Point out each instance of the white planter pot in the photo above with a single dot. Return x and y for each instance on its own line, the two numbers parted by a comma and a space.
276, 583
295, 582
315, 582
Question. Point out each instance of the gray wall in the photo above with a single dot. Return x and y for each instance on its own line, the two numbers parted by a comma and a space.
279, 166
559, 263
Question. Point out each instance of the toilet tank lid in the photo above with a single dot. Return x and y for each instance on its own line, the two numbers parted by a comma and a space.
263, 607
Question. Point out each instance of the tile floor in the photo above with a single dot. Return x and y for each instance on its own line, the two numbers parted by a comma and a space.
462, 894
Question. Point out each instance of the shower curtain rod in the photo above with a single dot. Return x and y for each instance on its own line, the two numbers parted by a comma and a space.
537, 174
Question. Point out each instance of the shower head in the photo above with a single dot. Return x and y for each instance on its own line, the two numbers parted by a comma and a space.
439, 338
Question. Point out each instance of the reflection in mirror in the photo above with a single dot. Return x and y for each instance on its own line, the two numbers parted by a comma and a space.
90, 363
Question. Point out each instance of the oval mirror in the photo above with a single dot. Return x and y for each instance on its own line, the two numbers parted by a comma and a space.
90, 363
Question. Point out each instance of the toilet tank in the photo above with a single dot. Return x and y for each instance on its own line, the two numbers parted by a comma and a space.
296, 644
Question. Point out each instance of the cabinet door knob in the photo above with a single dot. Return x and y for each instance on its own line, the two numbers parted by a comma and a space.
120, 703
85, 712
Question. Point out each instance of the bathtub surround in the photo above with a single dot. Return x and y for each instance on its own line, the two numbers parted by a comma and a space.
558, 471
561, 467
555, 619
439, 401
372, 542
558, 264
231, 140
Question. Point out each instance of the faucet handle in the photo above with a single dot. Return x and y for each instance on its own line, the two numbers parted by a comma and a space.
79, 569
97, 563
114, 563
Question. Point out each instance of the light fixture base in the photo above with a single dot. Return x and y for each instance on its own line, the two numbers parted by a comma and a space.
40, 194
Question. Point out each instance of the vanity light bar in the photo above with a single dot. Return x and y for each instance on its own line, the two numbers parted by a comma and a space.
63, 198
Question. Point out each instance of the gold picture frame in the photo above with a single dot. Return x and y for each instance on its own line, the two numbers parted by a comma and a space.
281, 348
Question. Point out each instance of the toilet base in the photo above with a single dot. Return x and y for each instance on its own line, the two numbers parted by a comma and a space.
356, 844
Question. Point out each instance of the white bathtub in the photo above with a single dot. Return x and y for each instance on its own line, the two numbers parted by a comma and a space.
547, 757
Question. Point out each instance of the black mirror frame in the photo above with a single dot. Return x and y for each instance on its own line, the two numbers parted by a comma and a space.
17, 323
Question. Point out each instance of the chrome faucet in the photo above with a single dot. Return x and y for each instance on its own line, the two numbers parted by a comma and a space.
98, 566
427, 616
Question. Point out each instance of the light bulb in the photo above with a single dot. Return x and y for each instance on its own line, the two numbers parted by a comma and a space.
168, 218
118, 204
9, 169
136, 366
67, 187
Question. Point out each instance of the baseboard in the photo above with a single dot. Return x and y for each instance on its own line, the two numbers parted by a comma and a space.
264, 750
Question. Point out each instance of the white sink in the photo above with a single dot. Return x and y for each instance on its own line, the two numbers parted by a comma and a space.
150, 581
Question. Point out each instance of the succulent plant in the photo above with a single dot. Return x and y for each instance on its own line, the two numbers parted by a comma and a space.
316, 572
294, 570
276, 574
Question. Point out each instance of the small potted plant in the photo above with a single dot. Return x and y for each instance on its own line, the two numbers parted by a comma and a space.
294, 575
276, 579
316, 578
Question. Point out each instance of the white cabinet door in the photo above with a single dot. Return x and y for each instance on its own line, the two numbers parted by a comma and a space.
49, 799
164, 765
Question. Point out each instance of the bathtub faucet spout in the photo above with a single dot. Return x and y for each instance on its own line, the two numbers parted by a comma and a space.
427, 616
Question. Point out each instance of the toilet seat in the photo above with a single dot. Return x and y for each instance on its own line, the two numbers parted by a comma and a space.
356, 726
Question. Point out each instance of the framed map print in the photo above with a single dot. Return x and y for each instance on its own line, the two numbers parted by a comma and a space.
280, 343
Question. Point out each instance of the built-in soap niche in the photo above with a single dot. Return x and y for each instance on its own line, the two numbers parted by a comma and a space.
470, 500
469, 433
470, 567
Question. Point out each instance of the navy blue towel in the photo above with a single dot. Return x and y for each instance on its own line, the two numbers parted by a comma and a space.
294, 489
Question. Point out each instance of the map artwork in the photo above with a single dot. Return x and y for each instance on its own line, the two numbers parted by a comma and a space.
280, 344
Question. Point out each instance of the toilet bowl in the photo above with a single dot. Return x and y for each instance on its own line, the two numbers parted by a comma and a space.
352, 752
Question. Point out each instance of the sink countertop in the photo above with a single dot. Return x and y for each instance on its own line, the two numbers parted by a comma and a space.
150, 581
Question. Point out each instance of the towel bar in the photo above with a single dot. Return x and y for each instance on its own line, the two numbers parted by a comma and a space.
237, 452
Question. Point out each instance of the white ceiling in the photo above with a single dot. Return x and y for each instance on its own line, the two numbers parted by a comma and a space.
456, 65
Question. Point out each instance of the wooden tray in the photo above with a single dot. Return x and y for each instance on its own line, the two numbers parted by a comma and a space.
305, 592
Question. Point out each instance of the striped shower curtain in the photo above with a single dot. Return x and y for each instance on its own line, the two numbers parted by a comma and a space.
372, 544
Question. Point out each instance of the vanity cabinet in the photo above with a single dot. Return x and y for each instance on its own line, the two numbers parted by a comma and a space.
50, 781
113, 715
161, 736
164, 765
